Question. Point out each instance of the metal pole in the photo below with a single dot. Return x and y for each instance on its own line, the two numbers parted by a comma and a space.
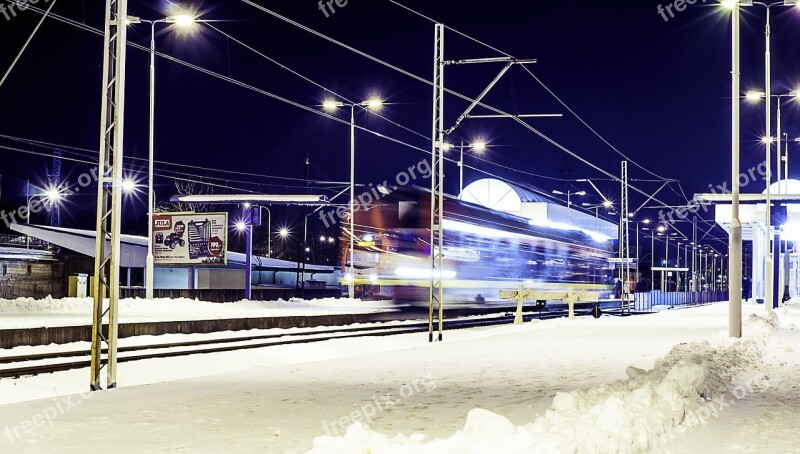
769, 275
652, 261
28, 214
248, 267
269, 233
461, 171
778, 132
735, 238
351, 288
686, 261
665, 285
678, 265
786, 157
637, 253
149, 263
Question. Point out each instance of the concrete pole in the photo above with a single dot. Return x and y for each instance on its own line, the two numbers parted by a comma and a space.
735, 238
769, 275
351, 287
150, 260
28, 214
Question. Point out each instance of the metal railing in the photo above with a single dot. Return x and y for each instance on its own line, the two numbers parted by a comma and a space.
645, 301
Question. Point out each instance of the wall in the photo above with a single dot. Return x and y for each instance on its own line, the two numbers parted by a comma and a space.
31, 279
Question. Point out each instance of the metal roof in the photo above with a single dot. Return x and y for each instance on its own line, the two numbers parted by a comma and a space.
133, 249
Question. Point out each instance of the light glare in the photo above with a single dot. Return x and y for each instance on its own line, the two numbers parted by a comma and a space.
128, 186
182, 20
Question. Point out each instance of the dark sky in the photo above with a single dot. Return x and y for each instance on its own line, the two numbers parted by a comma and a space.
658, 91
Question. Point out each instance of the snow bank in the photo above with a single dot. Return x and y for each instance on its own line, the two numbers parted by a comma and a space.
29, 312
627, 416
23, 305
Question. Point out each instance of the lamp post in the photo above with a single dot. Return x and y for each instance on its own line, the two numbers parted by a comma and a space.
181, 20
735, 237
756, 96
652, 261
686, 262
769, 296
269, 229
607, 204
569, 195
373, 103
786, 140
478, 147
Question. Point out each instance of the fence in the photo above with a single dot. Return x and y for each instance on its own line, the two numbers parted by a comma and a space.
12, 240
646, 301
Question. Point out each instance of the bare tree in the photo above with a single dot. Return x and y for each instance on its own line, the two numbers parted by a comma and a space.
194, 187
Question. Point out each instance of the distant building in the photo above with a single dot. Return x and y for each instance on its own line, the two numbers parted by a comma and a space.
30, 273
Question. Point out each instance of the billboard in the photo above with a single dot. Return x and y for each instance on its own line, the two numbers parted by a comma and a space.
190, 238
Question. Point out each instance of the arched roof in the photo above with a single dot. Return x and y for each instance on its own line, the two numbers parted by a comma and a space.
789, 186
498, 195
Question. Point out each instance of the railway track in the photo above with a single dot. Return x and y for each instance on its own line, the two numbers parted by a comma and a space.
206, 346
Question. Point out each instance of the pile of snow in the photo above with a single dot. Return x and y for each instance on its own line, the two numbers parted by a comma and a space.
627, 416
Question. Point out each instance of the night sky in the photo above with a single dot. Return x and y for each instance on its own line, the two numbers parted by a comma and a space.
657, 91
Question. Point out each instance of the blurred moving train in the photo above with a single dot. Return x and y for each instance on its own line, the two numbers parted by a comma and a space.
484, 251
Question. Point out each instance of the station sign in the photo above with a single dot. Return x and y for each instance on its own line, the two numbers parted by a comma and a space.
190, 238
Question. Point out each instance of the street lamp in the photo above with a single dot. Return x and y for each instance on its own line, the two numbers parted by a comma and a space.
50, 195
786, 140
569, 195
181, 20
756, 96
269, 228
331, 105
128, 186
478, 147
607, 204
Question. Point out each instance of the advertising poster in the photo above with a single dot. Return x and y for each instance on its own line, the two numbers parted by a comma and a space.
190, 238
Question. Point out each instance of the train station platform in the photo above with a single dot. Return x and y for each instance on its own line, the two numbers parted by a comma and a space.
26, 321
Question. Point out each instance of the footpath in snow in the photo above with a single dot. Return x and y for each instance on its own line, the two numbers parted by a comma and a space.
631, 384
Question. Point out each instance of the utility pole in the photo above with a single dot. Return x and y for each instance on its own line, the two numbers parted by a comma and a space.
437, 185
624, 244
109, 195
438, 134
652, 261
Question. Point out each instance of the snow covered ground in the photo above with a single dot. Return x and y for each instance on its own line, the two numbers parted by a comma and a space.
31, 313
608, 385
